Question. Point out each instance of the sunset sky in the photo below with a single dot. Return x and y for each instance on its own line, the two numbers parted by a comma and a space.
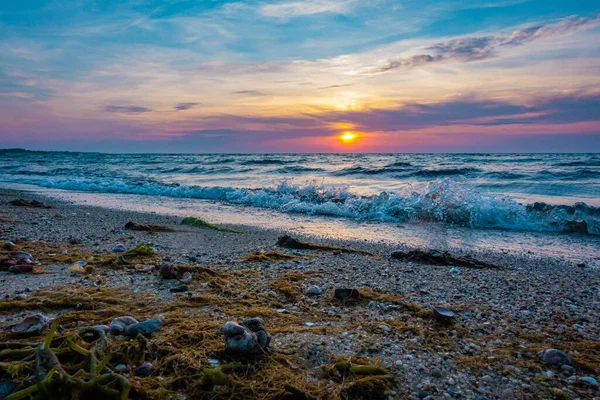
300, 76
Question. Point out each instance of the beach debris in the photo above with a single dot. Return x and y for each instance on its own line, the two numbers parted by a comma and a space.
200, 223
247, 337
77, 267
8, 245
267, 256
6, 387
119, 248
117, 326
142, 249
443, 314
147, 328
435, 257
31, 325
590, 381
554, 357
343, 293
20, 255
314, 291
291, 243
144, 370
148, 228
144, 268
212, 377
26, 203
186, 277
179, 289
21, 268
167, 271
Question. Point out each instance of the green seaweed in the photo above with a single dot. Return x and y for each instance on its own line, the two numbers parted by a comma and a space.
142, 249
200, 223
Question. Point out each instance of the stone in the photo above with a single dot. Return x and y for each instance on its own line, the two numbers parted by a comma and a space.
346, 294
554, 357
443, 314
167, 271
247, 337
179, 289
117, 326
313, 291
8, 245
147, 328
590, 381
32, 325
144, 370
119, 248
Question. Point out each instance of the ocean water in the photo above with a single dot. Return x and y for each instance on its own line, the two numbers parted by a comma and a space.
517, 192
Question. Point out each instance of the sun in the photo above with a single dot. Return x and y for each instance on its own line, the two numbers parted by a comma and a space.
348, 137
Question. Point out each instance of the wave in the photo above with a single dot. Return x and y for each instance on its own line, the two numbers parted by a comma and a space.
443, 200
398, 164
296, 169
267, 161
588, 163
578, 174
446, 172
367, 171
504, 175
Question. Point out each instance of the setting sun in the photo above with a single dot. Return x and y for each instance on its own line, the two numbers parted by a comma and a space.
348, 137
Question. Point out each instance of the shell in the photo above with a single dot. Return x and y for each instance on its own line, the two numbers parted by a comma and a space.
443, 314
32, 325
554, 357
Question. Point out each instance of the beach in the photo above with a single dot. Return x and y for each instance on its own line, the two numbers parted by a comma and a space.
505, 312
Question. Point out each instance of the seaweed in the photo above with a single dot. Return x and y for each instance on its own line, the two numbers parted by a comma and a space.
268, 256
435, 257
200, 223
148, 227
291, 243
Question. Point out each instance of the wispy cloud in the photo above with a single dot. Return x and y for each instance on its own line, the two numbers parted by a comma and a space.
184, 106
469, 49
126, 109
309, 7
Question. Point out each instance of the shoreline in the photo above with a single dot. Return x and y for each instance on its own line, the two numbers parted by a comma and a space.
507, 314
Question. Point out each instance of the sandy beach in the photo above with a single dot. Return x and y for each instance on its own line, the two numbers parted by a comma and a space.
505, 313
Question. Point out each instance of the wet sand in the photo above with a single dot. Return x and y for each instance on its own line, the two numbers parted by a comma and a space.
504, 315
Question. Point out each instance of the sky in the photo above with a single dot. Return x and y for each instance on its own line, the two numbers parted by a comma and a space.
300, 76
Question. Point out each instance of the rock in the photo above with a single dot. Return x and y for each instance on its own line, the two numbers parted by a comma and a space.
147, 328
32, 325
567, 368
77, 267
118, 325
186, 278
422, 394
248, 337
25, 203
443, 314
487, 379
20, 255
74, 240
179, 289
102, 328
346, 294
144, 370
144, 268
581, 265
454, 270
8, 245
384, 328
120, 367
21, 268
554, 357
6, 387
313, 291
590, 381
167, 271
119, 248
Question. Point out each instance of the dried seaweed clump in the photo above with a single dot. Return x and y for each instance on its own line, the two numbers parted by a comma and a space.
148, 227
200, 223
268, 256
291, 243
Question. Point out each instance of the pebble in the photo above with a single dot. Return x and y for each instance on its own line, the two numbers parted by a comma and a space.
384, 328
313, 291
144, 370
5, 388
590, 381
147, 328
117, 326
454, 270
248, 337
119, 248
423, 394
554, 357
120, 367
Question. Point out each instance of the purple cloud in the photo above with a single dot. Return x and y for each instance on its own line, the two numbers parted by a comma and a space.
126, 109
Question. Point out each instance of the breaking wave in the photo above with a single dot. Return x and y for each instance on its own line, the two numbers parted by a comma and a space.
442, 200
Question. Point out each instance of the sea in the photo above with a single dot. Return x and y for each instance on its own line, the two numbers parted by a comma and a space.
547, 204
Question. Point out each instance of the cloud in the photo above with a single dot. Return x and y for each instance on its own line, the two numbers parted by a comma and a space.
292, 9
126, 109
470, 49
184, 106
250, 92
